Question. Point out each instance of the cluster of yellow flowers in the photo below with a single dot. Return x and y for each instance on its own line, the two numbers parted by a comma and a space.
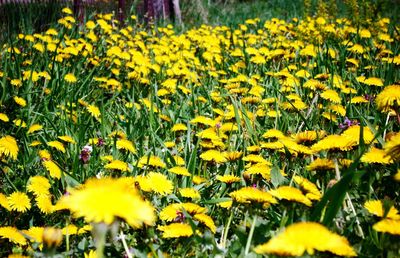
149, 128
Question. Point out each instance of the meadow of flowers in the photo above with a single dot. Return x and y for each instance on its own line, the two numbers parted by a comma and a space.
276, 138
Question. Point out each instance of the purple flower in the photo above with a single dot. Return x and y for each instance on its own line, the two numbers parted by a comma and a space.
347, 123
100, 142
85, 154
371, 98
180, 217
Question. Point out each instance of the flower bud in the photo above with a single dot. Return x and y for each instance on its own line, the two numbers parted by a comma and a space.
52, 237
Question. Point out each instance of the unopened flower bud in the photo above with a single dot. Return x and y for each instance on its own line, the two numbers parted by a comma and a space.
52, 237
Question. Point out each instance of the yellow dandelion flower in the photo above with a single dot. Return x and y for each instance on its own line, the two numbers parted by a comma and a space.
228, 127
91, 254
375, 155
256, 159
52, 168
20, 101
388, 98
8, 147
390, 226
179, 127
314, 85
252, 194
159, 183
74, 230
337, 109
169, 144
43, 202
358, 99
375, 207
331, 95
175, 230
44, 154
67, 138
19, 201
179, 161
206, 220
66, 10
259, 169
210, 134
353, 61
354, 132
34, 128
228, 179
225, 204
144, 183
34, 234
392, 147
198, 180
179, 171
373, 81
189, 193
52, 237
203, 120
13, 235
335, 142
153, 161
233, 155
4, 202
308, 237
253, 148
118, 200
172, 211
16, 82
396, 176
321, 164
273, 133
17, 256
291, 194
272, 145
57, 145
94, 111
356, 48
293, 147
35, 143
125, 144
213, 155
39, 185
118, 165
70, 77
4, 117
364, 33
310, 188
39, 47
19, 123
309, 136
330, 116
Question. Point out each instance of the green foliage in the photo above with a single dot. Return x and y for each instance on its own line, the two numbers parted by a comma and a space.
260, 95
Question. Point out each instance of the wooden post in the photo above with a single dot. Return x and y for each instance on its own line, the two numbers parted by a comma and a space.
79, 10
177, 12
121, 11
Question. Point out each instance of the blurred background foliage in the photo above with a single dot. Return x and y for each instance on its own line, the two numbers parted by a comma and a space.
30, 16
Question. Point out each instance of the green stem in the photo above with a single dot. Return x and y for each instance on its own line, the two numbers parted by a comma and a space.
228, 224
67, 237
122, 237
253, 225
99, 232
10, 182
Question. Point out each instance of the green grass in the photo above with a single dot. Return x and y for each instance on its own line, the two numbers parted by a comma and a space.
259, 91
